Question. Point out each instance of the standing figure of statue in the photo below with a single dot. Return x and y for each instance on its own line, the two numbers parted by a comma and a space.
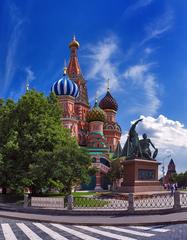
145, 148
132, 146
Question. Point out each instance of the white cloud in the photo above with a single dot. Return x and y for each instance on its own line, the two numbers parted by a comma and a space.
103, 64
148, 50
167, 132
136, 6
159, 26
169, 136
30, 74
142, 77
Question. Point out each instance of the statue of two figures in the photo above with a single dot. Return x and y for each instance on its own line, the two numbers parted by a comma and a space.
135, 148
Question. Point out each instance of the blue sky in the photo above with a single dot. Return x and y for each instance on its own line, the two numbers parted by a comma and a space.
139, 44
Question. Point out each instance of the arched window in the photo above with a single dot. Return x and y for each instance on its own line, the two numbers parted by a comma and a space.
105, 161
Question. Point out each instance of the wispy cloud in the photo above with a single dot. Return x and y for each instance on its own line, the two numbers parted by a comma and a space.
136, 6
103, 64
10, 65
148, 50
16, 94
142, 78
159, 26
30, 74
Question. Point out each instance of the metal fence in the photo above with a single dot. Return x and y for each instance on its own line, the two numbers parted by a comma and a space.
132, 202
47, 202
154, 201
183, 199
126, 202
100, 203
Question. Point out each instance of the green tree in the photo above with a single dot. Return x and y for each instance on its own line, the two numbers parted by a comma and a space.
39, 133
116, 171
73, 166
8, 144
180, 179
43, 154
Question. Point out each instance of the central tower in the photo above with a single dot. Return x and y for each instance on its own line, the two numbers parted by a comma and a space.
81, 103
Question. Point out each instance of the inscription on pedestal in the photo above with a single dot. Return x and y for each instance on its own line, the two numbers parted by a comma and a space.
146, 174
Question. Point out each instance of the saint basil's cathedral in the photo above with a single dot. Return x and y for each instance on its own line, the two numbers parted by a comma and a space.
94, 128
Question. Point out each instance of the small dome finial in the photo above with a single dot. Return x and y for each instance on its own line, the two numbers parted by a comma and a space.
74, 43
27, 85
96, 101
65, 67
108, 85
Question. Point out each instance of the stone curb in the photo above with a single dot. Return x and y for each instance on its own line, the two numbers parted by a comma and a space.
97, 224
81, 212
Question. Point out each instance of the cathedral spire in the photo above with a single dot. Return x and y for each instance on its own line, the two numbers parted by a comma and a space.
73, 66
74, 73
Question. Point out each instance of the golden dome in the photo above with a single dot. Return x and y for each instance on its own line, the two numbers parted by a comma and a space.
74, 43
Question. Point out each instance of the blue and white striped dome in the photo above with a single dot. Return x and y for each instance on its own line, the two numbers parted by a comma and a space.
65, 86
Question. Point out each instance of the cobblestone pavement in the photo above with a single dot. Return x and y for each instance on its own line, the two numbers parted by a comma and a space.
22, 230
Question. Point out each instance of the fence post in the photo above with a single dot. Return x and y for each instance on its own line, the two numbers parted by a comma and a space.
70, 202
177, 200
27, 200
131, 203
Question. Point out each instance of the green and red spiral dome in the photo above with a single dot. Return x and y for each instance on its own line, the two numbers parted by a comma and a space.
96, 114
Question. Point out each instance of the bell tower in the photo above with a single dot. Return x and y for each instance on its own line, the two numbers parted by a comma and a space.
74, 73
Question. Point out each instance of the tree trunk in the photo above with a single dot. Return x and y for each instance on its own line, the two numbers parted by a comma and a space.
4, 190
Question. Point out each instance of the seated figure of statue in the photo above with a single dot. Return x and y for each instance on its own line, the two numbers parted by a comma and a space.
145, 148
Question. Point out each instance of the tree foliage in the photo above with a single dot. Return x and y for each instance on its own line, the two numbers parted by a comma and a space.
8, 143
35, 150
180, 179
116, 170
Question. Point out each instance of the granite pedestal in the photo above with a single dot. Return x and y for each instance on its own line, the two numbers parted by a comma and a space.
140, 175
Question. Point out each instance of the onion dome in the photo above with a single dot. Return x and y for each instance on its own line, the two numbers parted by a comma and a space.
74, 43
65, 86
108, 102
96, 114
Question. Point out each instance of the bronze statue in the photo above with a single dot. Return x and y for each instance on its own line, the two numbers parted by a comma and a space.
145, 148
132, 145
135, 148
